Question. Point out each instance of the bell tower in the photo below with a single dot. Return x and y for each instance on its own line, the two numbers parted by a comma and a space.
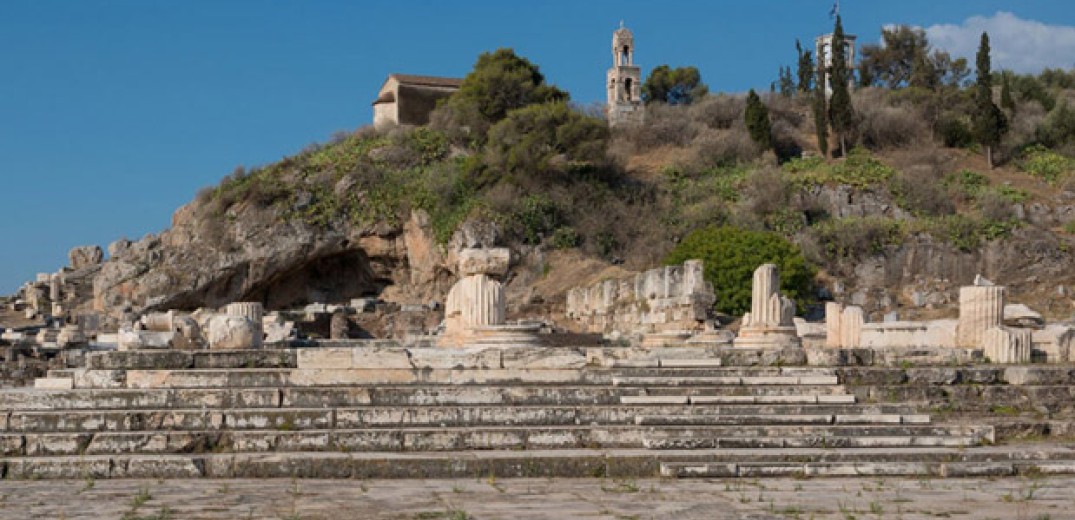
624, 80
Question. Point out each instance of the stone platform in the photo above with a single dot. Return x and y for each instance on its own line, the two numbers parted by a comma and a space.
387, 412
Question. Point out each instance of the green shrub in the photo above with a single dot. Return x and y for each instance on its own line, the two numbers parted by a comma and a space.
1069, 228
565, 237
534, 217
967, 183
537, 142
954, 132
1013, 195
965, 232
731, 255
1046, 164
858, 170
855, 238
919, 192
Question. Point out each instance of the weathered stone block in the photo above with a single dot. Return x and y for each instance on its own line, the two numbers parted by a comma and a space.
234, 332
140, 359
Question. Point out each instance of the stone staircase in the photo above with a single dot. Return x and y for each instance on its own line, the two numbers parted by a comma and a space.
174, 417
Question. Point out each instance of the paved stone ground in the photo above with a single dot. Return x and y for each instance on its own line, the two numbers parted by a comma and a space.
1002, 498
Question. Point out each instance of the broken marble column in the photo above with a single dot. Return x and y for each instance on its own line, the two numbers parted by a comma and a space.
55, 282
234, 332
158, 321
252, 311
851, 322
770, 322
833, 313
1007, 345
339, 325
475, 311
981, 307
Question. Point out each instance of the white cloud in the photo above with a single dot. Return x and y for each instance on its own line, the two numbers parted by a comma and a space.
1025, 46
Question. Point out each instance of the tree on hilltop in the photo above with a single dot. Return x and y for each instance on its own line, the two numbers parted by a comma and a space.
989, 122
678, 86
841, 113
756, 117
805, 70
501, 81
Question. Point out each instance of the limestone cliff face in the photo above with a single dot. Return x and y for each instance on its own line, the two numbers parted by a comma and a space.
252, 254
923, 275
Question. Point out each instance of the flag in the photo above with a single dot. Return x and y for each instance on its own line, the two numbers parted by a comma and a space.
835, 11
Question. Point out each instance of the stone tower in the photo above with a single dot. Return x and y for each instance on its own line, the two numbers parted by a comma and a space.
823, 51
624, 80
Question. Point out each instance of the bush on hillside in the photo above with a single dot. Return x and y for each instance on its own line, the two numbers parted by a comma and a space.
919, 191
730, 256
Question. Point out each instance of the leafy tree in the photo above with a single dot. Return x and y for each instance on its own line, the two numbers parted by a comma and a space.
989, 122
805, 71
756, 117
730, 255
1058, 128
678, 86
923, 75
841, 113
891, 63
949, 72
500, 82
904, 58
538, 141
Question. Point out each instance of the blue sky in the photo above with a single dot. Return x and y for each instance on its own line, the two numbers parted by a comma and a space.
114, 113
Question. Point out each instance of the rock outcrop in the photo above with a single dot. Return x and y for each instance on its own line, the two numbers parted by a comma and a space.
260, 256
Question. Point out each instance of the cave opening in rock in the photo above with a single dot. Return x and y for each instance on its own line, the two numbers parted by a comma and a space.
326, 279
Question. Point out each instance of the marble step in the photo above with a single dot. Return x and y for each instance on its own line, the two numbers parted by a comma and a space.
700, 371
284, 438
866, 469
374, 416
673, 380
738, 399
578, 463
705, 420
402, 395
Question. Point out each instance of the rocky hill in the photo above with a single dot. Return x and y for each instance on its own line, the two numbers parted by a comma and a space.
909, 215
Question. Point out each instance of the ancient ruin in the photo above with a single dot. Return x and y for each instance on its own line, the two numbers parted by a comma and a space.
672, 302
474, 313
770, 322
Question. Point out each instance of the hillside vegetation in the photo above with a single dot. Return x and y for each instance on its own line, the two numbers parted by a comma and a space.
912, 210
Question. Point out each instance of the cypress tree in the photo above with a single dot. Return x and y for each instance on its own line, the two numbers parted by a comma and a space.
805, 70
841, 113
989, 122
756, 117
821, 113
1006, 100
787, 82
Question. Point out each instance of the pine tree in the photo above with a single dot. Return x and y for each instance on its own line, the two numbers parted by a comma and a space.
756, 117
805, 70
1006, 100
841, 113
923, 73
989, 122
